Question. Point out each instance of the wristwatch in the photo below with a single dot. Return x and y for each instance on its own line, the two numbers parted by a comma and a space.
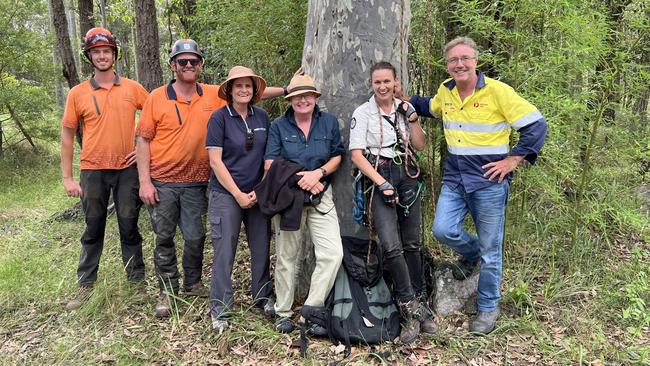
324, 171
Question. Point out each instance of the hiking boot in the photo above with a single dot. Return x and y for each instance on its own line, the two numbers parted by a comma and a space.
269, 308
485, 322
79, 298
410, 323
219, 325
196, 289
163, 307
427, 322
463, 268
316, 330
284, 324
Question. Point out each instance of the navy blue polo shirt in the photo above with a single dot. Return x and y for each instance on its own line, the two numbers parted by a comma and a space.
287, 140
227, 130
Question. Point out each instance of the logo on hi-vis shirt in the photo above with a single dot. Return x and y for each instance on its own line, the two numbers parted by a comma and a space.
479, 105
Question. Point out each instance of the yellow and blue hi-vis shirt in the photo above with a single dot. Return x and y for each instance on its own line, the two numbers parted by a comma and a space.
477, 129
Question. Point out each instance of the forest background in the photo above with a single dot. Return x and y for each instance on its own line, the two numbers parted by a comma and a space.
576, 286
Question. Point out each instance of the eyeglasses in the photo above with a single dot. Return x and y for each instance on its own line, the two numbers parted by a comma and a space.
454, 60
184, 61
249, 139
306, 96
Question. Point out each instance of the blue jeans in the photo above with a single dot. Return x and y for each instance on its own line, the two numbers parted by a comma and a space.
488, 209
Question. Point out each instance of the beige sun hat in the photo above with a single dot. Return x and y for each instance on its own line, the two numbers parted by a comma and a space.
301, 84
243, 72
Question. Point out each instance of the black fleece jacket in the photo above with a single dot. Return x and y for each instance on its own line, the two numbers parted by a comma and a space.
279, 193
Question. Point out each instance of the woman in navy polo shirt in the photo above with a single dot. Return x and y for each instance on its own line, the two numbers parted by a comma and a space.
307, 136
236, 141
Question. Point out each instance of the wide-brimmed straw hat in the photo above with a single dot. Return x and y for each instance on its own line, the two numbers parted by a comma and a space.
243, 72
301, 84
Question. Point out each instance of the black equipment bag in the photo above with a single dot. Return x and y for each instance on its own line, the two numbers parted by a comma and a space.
360, 307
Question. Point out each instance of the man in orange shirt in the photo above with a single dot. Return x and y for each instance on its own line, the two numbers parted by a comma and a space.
174, 168
104, 108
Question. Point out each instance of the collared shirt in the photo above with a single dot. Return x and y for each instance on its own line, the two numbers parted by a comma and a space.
227, 130
370, 130
287, 140
176, 131
107, 119
477, 129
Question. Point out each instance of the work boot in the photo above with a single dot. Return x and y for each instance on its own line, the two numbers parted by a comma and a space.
284, 324
219, 325
79, 298
410, 323
196, 289
485, 321
427, 323
463, 268
163, 306
269, 308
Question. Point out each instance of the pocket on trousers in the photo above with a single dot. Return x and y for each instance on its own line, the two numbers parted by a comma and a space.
215, 227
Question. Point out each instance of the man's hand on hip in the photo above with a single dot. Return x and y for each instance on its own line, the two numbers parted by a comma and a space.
501, 168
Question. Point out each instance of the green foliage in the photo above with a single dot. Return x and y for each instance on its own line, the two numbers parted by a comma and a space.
266, 36
637, 295
26, 67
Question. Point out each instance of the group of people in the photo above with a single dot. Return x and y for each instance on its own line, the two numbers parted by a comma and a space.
192, 137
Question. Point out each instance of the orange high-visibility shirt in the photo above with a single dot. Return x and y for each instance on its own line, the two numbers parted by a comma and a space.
107, 118
176, 132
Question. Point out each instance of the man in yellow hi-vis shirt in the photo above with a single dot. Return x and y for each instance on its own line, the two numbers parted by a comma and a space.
478, 114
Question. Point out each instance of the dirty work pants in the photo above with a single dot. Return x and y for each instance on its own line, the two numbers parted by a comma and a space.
183, 205
97, 186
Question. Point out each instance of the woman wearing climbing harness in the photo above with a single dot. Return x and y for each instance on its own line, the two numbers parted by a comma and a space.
306, 136
384, 132
236, 141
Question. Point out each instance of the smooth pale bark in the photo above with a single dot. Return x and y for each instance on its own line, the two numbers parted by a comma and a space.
342, 41
147, 41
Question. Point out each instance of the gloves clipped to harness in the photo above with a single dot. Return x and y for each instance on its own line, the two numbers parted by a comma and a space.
389, 199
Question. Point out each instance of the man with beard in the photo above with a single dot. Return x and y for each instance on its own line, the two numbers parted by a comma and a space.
104, 107
174, 168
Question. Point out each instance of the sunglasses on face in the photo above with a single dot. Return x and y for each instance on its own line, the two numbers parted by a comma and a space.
249, 139
184, 61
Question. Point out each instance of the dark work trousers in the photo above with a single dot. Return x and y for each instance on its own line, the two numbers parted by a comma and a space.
183, 205
97, 186
399, 233
226, 217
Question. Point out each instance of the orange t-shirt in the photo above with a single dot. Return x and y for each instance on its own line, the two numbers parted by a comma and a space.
176, 132
107, 118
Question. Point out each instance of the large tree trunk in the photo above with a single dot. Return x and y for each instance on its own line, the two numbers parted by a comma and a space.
342, 41
148, 57
86, 22
63, 41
